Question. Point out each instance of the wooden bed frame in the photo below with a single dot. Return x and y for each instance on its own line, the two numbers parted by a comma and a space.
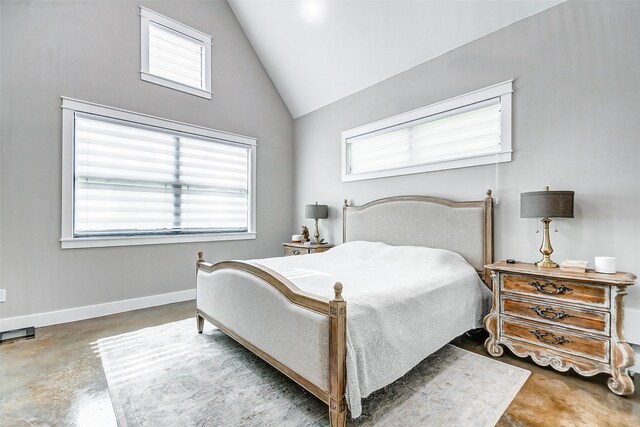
336, 308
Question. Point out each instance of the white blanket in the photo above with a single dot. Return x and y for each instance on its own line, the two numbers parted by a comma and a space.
403, 303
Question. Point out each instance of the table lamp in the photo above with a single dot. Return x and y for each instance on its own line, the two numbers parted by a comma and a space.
546, 204
316, 212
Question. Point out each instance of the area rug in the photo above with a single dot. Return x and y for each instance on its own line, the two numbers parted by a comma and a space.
170, 375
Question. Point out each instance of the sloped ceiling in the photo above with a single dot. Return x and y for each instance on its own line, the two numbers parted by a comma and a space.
318, 52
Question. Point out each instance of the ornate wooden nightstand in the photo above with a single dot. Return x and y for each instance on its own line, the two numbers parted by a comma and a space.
566, 320
301, 249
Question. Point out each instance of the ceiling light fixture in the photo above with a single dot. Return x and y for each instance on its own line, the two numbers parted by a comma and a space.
312, 10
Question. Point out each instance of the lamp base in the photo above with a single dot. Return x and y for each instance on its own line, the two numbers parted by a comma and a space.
317, 234
546, 262
546, 250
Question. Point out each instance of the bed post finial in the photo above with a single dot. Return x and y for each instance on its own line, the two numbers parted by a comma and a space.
346, 203
200, 261
489, 192
337, 288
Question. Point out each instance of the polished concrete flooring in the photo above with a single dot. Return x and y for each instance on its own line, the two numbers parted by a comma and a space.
57, 379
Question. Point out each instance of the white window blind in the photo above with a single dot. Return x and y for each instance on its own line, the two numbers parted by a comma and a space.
174, 55
132, 180
459, 135
465, 131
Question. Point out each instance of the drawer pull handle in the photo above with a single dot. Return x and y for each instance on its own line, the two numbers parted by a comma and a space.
555, 341
557, 290
555, 315
296, 251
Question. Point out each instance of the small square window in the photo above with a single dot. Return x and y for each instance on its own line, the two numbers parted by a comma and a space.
174, 55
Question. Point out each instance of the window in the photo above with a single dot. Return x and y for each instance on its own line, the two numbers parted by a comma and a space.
174, 55
469, 130
132, 179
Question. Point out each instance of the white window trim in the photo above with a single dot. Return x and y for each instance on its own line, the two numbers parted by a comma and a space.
71, 106
501, 90
147, 15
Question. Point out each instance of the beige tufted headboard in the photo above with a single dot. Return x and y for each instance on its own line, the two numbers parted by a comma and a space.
462, 227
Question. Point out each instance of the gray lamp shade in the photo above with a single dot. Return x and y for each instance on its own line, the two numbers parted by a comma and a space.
546, 204
316, 211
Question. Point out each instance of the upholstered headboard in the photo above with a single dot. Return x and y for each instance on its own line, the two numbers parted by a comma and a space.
462, 227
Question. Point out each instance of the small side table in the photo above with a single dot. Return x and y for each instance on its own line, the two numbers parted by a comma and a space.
291, 249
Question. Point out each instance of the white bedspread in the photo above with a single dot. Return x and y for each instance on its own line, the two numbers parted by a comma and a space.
403, 303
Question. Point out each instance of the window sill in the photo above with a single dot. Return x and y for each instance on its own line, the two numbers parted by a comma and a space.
432, 167
101, 242
151, 78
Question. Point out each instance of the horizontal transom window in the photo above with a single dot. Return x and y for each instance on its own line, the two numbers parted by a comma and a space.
470, 130
133, 179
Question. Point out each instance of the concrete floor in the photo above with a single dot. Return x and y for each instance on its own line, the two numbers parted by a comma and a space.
57, 379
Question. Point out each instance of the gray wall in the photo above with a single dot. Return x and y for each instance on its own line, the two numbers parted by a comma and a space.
91, 51
576, 126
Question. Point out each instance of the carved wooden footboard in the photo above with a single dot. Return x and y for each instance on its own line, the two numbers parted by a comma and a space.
335, 310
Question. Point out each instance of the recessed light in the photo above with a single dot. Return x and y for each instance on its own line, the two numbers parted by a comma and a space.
312, 9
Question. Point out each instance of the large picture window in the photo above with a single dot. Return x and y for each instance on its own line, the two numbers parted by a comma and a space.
136, 179
469, 130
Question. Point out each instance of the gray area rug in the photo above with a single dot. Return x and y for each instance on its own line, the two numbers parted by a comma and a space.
170, 375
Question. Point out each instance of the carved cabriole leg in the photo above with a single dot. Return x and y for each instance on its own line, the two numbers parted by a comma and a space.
491, 320
622, 355
337, 358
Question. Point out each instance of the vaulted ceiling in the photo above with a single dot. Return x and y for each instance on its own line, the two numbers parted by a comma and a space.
318, 52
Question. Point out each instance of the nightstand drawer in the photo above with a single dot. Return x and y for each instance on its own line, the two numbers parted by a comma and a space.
557, 339
319, 249
288, 251
558, 290
582, 319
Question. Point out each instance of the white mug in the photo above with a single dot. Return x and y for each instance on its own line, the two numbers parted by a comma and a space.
605, 264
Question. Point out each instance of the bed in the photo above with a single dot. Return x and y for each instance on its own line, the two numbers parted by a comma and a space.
412, 269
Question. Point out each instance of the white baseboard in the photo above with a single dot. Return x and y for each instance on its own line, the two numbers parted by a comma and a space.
636, 368
632, 333
632, 325
90, 311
